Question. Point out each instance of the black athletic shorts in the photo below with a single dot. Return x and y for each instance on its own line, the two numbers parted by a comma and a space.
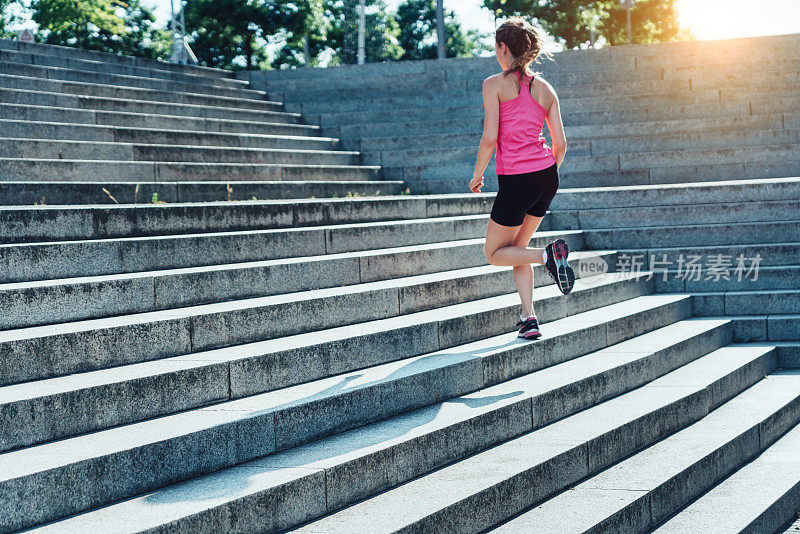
519, 194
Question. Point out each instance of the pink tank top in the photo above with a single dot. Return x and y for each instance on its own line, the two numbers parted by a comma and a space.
520, 145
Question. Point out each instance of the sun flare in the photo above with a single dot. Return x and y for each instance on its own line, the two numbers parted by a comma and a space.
724, 19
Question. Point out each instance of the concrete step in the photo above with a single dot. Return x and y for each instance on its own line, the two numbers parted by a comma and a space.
769, 328
762, 496
695, 141
640, 492
470, 96
93, 77
574, 99
674, 126
783, 104
13, 169
677, 174
54, 148
786, 64
695, 193
23, 129
56, 301
678, 235
478, 492
686, 214
91, 55
30, 398
75, 298
670, 158
639, 153
68, 259
97, 103
60, 193
222, 435
430, 178
385, 454
562, 70
727, 275
36, 223
58, 115
767, 302
156, 335
51, 60
581, 114
138, 94
767, 253
604, 138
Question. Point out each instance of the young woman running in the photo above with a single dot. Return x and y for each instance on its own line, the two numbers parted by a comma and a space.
516, 105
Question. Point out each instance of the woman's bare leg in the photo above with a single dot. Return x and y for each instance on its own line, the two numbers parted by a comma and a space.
523, 274
501, 250
507, 246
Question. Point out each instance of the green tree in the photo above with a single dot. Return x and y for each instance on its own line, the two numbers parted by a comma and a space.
306, 32
380, 40
652, 21
233, 33
418, 37
142, 37
6, 18
105, 25
89, 24
569, 20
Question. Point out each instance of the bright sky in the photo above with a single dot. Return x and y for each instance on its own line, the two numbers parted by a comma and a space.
720, 19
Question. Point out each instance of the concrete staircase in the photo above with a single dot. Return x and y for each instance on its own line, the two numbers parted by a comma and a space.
644, 114
82, 127
349, 364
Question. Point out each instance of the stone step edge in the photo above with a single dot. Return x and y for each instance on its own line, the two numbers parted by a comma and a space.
751, 370
170, 428
144, 131
170, 117
659, 498
454, 423
124, 101
148, 90
51, 391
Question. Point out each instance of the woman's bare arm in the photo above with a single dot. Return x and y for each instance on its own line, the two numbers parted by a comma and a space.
491, 119
556, 127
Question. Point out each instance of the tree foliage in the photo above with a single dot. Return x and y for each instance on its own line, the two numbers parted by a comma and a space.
652, 21
6, 18
569, 20
309, 25
380, 39
226, 31
418, 33
105, 25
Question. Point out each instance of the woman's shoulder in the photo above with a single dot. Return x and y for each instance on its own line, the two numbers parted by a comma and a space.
545, 86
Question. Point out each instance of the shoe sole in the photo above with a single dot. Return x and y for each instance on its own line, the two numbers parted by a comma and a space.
566, 276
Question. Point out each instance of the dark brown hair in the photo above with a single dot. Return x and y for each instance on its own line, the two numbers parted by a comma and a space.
523, 41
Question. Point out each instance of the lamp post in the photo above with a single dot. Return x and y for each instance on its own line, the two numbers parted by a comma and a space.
440, 28
361, 31
628, 5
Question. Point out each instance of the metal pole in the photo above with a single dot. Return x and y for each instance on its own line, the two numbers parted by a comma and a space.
440, 28
306, 50
183, 34
628, 8
361, 31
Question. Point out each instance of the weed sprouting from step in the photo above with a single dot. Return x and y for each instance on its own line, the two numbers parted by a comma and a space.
352, 194
154, 199
41, 202
109, 195
229, 189
407, 191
